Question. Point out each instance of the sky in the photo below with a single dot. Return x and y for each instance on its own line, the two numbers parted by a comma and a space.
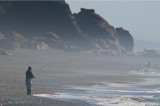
140, 18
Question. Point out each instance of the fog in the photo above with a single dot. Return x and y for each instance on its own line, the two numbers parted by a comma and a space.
71, 66
65, 73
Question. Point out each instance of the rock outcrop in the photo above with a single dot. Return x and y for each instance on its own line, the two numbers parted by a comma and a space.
4, 52
150, 53
125, 39
51, 24
99, 30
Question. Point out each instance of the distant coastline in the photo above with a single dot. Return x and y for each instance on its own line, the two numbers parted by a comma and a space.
140, 45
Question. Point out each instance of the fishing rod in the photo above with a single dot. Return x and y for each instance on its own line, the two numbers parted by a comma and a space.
42, 68
36, 73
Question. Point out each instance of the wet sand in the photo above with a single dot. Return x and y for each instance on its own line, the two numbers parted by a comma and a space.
56, 70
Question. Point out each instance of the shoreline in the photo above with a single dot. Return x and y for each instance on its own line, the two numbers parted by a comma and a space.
22, 100
65, 70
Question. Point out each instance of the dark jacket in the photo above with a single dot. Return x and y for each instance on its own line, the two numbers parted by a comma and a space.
29, 74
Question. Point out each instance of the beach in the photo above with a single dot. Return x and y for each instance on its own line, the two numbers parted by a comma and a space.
60, 72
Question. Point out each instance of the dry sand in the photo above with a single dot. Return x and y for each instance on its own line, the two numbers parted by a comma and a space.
54, 70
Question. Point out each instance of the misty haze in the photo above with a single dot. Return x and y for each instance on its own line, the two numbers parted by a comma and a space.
53, 56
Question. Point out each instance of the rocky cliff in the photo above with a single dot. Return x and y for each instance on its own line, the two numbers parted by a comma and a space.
125, 39
35, 24
99, 30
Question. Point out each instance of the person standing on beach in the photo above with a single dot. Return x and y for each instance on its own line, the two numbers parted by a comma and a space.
29, 76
